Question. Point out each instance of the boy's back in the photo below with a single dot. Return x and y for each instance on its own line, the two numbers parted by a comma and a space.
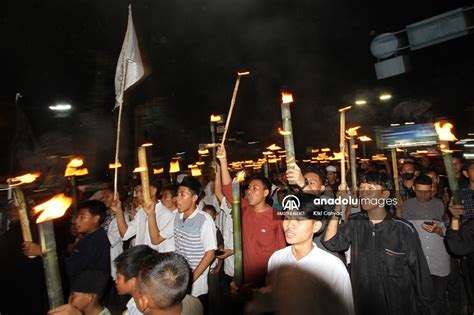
90, 253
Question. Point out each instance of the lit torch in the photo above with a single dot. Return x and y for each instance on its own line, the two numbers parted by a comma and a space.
342, 145
352, 133
445, 135
286, 100
20, 203
74, 168
51, 209
237, 226
214, 120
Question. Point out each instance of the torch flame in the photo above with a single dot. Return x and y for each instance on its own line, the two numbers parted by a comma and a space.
158, 171
53, 208
284, 132
286, 98
274, 147
75, 163
174, 166
23, 179
139, 169
216, 118
195, 172
444, 131
115, 165
240, 176
81, 172
352, 132
202, 152
365, 138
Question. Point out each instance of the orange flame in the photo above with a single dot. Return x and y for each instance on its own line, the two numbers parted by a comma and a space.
174, 166
216, 118
53, 208
284, 132
76, 162
202, 152
364, 138
274, 147
240, 176
196, 172
81, 172
23, 179
158, 171
444, 131
286, 98
139, 169
325, 149
352, 132
115, 165
267, 152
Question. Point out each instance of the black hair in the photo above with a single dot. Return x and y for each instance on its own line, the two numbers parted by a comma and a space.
171, 188
316, 171
467, 165
423, 180
377, 178
309, 209
458, 156
408, 162
165, 279
95, 208
209, 207
130, 261
192, 184
267, 184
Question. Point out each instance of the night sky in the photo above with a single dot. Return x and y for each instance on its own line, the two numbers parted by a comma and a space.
66, 51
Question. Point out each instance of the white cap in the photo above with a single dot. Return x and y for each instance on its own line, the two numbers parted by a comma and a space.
331, 168
180, 177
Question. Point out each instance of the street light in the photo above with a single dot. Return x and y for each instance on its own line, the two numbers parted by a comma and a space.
60, 107
360, 102
385, 97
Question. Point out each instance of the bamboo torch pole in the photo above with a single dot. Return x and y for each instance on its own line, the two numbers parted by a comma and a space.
342, 146
142, 163
237, 229
232, 103
287, 99
20, 202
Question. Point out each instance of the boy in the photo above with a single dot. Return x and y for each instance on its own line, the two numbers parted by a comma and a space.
163, 282
195, 235
128, 266
92, 252
262, 234
153, 223
299, 226
86, 292
389, 272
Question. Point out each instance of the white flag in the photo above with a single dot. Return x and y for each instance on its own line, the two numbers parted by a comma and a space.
129, 63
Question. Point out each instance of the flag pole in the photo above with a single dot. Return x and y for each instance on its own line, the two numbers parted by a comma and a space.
119, 119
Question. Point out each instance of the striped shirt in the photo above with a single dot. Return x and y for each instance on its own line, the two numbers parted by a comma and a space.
193, 237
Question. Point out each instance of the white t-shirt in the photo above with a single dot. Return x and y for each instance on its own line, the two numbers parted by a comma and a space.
322, 264
228, 235
139, 227
132, 308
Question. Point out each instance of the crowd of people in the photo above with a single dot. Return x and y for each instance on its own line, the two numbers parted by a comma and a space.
373, 250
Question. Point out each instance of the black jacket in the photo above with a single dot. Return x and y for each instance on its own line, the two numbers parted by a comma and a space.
461, 242
389, 272
90, 253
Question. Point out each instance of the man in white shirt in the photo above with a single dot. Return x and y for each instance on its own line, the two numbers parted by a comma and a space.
153, 224
323, 272
195, 235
